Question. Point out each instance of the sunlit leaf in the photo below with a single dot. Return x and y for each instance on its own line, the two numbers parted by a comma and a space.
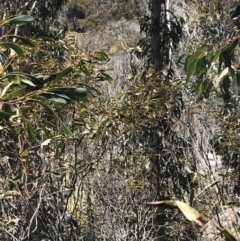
75, 94
190, 213
188, 169
66, 95
28, 81
6, 89
219, 77
25, 78
13, 193
163, 204
46, 142
21, 19
58, 99
17, 80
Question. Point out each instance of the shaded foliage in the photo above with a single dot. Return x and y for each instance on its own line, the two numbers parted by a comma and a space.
34, 133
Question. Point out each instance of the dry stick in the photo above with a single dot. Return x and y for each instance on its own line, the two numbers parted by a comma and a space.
9, 233
38, 206
33, 6
169, 27
210, 185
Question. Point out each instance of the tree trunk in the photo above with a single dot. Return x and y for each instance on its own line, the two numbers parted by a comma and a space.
159, 219
158, 63
155, 35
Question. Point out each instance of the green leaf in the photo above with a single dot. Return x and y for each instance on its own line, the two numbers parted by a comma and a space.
27, 81
193, 59
236, 12
59, 100
4, 115
201, 67
228, 235
170, 203
199, 90
63, 96
26, 78
65, 128
101, 57
14, 47
216, 55
26, 41
61, 75
196, 55
202, 71
17, 80
104, 75
92, 89
30, 131
75, 94
15, 94
191, 69
22, 19
52, 188
66, 95
205, 85
9, 154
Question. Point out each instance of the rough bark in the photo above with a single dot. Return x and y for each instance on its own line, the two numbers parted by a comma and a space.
155, 35
158, 64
